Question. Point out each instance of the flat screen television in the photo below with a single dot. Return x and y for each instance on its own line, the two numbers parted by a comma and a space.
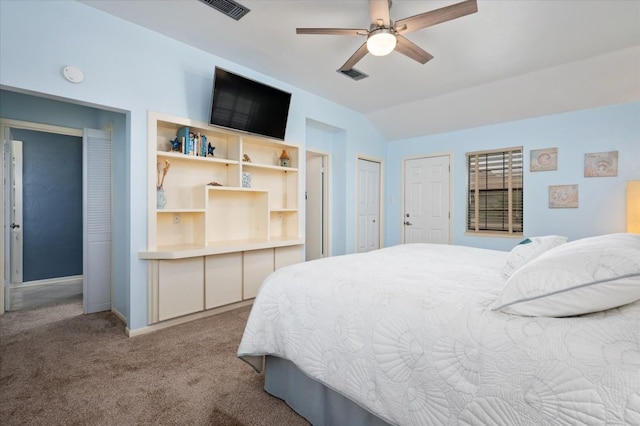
242, 104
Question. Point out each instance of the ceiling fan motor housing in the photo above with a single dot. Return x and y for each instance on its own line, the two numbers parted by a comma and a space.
381, 41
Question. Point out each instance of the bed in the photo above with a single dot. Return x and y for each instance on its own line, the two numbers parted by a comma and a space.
421, 334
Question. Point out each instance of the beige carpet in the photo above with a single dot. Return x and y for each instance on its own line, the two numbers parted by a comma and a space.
59, 367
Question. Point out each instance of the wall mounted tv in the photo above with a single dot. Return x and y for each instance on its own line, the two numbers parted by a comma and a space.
246, 105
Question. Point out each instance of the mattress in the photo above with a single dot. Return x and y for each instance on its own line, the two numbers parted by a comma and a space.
407, 333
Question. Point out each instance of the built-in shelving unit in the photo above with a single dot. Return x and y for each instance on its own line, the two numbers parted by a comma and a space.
224, 236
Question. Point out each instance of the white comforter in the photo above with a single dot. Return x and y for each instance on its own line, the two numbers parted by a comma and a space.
406, 332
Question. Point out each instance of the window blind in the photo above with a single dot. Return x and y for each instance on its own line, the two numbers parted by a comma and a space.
495, 190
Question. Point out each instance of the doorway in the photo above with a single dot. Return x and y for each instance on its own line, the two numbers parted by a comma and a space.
427, 195
368, 208
51, 215
45, 215
316, 205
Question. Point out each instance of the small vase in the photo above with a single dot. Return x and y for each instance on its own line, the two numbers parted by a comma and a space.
246, 180
162, 199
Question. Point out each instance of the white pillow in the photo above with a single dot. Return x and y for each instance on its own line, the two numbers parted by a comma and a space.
528, 249
579, 277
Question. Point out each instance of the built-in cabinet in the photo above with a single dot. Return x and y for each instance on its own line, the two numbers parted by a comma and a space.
231, 215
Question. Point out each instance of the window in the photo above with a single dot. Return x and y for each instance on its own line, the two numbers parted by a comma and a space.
494, 199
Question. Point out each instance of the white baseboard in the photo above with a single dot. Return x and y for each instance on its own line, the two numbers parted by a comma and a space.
187, 318
70, 280
120, 316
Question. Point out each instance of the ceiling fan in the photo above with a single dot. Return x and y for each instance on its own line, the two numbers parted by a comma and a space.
384, 35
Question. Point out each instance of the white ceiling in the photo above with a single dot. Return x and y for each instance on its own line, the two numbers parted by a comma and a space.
506, 44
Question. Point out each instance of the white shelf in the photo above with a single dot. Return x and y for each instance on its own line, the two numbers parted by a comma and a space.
183, 251
160, 211
247, 164
180, 156
224, 218
234, 189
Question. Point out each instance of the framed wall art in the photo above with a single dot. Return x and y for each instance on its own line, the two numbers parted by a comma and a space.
543, 159
601, 164
563, 196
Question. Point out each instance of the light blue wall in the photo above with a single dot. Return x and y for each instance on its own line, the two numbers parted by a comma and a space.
131, 69
18, 106
602, 200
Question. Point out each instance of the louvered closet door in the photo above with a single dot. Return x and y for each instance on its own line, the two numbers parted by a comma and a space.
96, 151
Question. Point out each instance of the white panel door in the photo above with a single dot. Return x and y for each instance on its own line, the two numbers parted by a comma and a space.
368, 205
96, 170
426, 200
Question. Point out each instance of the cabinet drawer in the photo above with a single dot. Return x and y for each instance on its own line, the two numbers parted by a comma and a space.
223, 279
257, 264
285, 256
180, 287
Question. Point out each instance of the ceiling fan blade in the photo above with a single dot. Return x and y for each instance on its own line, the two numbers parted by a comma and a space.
332, 31
360, 53
410, 49
379, 12
427, 19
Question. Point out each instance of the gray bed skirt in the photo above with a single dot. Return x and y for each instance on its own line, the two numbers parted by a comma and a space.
312, 400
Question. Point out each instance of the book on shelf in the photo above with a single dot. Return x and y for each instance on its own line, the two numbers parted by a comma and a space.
187, 143
193, 143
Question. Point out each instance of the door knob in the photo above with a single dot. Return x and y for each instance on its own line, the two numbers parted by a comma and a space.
14, 226
408, 223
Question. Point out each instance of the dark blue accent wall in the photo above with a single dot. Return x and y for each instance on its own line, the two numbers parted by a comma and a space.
52, 204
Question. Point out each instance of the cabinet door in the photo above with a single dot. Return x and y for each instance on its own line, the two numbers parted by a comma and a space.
256, 266
223, 279
180, 287
285, 256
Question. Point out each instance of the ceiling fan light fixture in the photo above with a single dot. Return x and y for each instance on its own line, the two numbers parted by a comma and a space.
381, 42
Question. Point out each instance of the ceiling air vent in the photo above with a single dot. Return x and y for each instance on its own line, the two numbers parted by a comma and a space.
228, 7
354, 74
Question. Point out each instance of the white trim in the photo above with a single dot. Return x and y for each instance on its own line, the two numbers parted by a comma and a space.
327, 197
380, 199
72, 279
185, 319
119, 315
451, 186
39, 127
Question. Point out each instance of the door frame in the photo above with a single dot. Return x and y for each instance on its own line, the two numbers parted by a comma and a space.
404, 189
326, 194
380, 161
4, 214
